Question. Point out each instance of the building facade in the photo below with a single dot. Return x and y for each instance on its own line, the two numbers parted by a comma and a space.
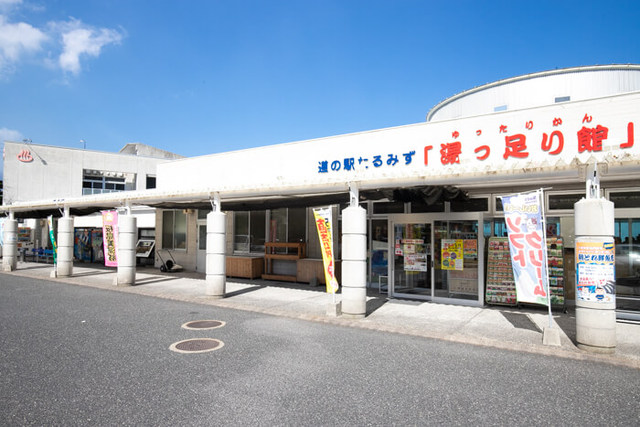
38, 172
422, 186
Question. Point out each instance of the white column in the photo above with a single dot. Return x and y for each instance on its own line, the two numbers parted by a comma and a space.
216, 262
10, 248
127, 238
65, 246
595, 305
354, 262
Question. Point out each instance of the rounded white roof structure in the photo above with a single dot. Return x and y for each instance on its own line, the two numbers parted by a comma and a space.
540, 89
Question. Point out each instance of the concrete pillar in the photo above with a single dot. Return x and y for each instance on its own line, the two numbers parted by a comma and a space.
127, 239
10, 248
216, 269
354, 262
65, 247
595, 275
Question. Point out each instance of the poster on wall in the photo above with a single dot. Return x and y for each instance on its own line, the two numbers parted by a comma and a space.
470, 249
528, 250
82, 244
324, 224
415, 262
451, 254
110, 237
97, 245
595, 272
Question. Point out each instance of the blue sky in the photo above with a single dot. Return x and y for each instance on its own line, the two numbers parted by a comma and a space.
205, 76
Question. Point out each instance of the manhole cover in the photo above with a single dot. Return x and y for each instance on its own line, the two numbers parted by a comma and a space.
198, 345
204, 324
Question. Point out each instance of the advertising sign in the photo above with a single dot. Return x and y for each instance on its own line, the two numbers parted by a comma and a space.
53, 238
595, 272
110, 237
415, 262
323, 224
452, 254
523, 215
2, 220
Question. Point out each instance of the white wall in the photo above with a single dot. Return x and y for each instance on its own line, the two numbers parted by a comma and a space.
294, 166
57, 172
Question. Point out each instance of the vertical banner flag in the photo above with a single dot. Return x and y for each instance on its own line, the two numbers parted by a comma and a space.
524, 218
52, 237
323, 224
110, 237
2, 220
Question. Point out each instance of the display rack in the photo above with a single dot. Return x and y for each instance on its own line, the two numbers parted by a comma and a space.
501, 288
555, 260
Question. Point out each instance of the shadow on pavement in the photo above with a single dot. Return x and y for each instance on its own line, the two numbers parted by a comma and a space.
375, 303
520, 321
244, 291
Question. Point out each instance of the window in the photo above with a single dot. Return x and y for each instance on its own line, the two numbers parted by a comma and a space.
151, 182
174, 229
420, 207
96, 182
562, 99
477, 204
628, 199
249, 231
563, 201
388, 207
500, 108
288, 225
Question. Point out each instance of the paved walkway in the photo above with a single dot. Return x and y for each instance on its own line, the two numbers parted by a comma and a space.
504, 328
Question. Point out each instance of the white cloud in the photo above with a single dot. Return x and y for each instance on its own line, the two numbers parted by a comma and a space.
17, 40
10, 135
81, 40
63, 44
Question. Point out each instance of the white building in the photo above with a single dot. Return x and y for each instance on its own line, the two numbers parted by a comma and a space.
36, 172
421, 186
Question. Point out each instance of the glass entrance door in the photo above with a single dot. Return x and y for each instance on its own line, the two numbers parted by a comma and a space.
437, 256
411, 272
456, 253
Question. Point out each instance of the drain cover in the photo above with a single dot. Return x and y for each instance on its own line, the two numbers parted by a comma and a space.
204, 324
198, 345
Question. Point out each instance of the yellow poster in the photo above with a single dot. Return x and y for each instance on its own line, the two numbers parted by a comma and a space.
452, 254
323, 224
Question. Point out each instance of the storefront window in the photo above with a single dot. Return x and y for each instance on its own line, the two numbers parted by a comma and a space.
174, 229
627, 199
477, 204
388, 207
249, 231
627, 238
278, 231
297, 224
379, 251
257, 230
421, 207
288, 225
241, 231
563, 201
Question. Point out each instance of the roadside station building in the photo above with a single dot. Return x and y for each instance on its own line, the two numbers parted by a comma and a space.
400, 195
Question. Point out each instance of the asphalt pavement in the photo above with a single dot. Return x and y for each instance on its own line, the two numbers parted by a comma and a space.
498, 327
